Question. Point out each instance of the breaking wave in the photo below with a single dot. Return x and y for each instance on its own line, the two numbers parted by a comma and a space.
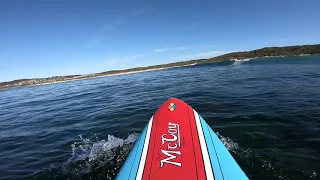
240, 61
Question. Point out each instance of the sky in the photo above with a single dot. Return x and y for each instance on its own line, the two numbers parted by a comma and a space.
62, 37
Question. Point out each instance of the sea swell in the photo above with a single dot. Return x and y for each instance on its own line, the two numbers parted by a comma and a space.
265, 110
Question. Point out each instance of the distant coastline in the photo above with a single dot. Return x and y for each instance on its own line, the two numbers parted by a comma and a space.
303, 50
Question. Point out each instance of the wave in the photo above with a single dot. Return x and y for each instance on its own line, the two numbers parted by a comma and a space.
193, 64
240, 61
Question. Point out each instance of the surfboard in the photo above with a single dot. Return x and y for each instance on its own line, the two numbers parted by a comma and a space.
178, 144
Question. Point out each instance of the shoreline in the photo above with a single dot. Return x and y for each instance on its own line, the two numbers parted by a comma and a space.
237, 57
92, 77
83, 77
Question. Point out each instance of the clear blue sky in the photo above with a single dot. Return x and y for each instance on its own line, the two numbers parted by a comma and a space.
47, 38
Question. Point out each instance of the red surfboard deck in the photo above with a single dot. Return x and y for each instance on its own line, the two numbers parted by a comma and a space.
172, 136
178, 144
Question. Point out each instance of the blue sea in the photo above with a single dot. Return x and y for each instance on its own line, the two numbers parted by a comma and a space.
266, 111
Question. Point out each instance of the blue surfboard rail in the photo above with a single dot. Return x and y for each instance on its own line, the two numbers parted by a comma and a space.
221, 157
130, 167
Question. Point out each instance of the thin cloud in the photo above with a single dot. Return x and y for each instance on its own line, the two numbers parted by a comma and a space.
121, 59
96, 40
110, 27
195, 25
290, 41
202, 55
116, 24
206, 46
179, 48
160, 50
182, 48
107, 27
119, 21
139, 11
210, 54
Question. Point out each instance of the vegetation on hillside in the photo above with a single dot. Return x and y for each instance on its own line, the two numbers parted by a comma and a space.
268, 51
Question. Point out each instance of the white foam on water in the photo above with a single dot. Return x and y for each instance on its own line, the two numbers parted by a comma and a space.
103, 158
228, 143
245, 153
88, 155
87, 149
255, 159
310, 173
240, 61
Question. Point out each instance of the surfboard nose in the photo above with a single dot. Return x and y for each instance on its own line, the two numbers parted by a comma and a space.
172, 104
175, 99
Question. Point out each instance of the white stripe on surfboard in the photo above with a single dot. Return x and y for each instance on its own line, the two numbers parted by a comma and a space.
144, 151
204, 150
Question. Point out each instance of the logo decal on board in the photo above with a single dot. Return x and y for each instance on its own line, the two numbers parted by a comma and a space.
171, 141
172, 106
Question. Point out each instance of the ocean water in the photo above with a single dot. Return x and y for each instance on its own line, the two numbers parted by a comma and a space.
266, 111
